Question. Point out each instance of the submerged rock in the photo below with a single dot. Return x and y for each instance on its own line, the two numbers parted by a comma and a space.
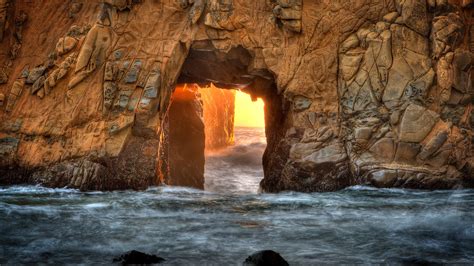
265, 257
137, 257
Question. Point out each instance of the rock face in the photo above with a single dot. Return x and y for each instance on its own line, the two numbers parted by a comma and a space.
356, 92
186, 138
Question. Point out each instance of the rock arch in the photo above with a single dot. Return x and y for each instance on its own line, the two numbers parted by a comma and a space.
83, 104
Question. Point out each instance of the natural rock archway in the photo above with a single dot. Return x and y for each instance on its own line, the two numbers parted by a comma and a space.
228, 70
357, 92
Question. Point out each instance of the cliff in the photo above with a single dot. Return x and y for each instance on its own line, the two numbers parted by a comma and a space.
356, 92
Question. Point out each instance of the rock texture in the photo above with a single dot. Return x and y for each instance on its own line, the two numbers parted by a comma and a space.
186, 139
356, 92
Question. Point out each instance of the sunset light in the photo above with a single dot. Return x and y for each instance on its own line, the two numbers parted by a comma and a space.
247, 112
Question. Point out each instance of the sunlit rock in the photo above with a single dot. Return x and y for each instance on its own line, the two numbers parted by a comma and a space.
350, 89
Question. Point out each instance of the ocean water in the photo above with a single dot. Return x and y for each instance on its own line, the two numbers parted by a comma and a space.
230, 220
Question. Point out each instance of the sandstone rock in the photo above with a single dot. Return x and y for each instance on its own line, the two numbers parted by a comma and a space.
391, 17
153, 84
301, 103
446, 33
383, 178
366, 84
3, 77
406, 152
289, 14
75, 8
334, 153
38, 85
265, 257
15, 93
3, 17
110, 90
196, 10
92, 54
119, 124
363, 133
2, 99
416, 123
35, 74
462, 63
20, 20
58, 74
302, 150
187, 137
433, 145
8, 148
383, 149
123, 99
132, 75
414, 15
65, 45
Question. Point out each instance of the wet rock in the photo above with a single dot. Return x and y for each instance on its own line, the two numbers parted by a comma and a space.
137, 257
383, 178
265, 258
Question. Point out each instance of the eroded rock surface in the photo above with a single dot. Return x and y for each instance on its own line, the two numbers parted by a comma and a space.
357, 92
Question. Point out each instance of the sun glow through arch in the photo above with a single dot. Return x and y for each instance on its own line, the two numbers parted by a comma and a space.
247, 112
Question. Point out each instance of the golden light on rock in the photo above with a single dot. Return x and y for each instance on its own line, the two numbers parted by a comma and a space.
247, 112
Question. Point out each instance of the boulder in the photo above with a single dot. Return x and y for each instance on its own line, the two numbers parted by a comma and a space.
137, 257
265, 258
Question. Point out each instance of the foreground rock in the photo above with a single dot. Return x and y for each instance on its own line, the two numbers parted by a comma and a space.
136, 257
265, 258
356, 92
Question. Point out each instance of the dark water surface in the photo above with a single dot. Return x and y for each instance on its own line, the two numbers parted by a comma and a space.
230, 220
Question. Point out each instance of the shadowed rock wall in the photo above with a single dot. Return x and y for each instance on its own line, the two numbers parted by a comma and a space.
186, 139
357, 92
